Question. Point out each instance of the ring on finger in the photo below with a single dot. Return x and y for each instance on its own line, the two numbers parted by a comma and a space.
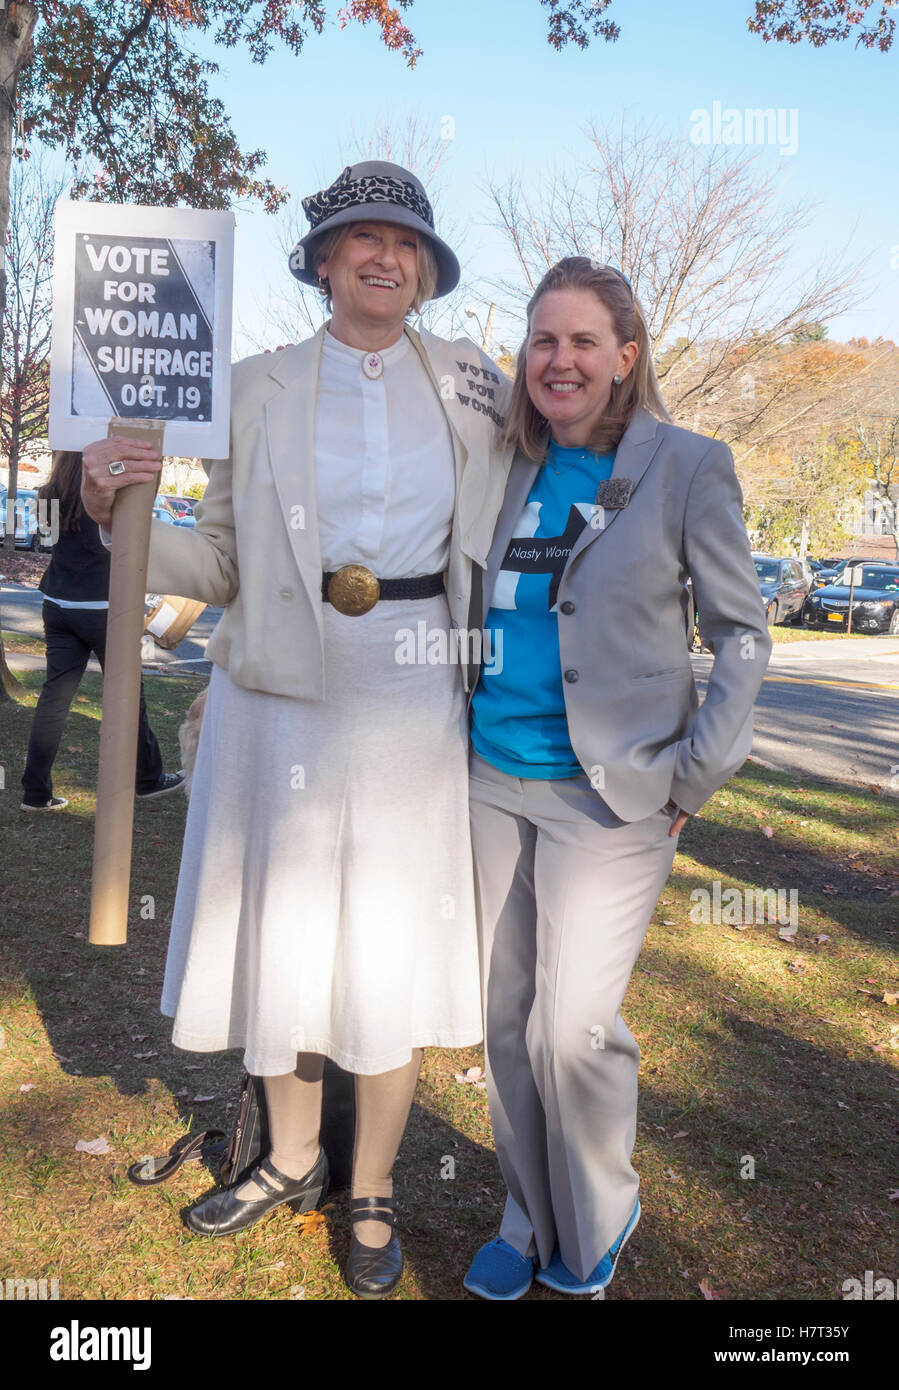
117, 467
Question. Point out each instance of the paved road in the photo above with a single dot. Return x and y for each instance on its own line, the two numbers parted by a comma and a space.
21, 611
827, 709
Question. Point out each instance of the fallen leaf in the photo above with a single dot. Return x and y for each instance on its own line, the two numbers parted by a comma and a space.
201, 1100
473, 1077
671, 1175
842, 1106
309, 1220
27, 1086
767, 832
821, 938
142, 1056
93, 1146
889, 997
707, 1291
681, 1134
893, 1195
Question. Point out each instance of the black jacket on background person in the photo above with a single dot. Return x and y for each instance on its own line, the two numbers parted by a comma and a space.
78, 573
79, 565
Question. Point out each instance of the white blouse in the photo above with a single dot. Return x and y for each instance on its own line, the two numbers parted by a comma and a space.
385, 474
384, 463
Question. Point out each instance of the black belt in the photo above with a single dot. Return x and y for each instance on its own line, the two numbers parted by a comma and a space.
425, 586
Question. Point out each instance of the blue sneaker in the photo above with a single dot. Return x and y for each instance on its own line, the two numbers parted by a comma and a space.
557, 1276
499, 1272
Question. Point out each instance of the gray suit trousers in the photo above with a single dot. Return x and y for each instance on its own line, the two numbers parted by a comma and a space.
565, 893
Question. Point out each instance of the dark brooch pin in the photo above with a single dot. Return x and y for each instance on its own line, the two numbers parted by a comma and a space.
614, 493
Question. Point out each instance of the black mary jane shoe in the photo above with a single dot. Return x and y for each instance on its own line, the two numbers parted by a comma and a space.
223, 1213
373, 1271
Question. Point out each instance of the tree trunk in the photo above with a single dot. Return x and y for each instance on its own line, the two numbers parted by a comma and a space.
18, 19
12, 486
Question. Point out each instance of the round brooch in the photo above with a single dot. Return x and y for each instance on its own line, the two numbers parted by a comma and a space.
372, 365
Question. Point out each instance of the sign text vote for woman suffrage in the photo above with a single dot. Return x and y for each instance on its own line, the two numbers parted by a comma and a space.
142, 324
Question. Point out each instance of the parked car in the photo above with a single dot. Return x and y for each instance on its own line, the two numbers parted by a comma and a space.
164, 514
784, 587
181, 506
875, 602
188, 519
826, 570
28, 533
810, 574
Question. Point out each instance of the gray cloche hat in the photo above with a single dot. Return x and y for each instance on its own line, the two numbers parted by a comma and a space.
373, 191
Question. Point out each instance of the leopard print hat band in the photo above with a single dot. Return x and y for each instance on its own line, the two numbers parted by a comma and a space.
374, 191
347, 192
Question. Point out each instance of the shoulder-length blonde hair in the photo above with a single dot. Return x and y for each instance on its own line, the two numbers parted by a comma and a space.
526, 428
427, 263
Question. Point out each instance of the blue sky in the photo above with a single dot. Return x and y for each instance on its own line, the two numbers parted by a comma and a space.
517, 105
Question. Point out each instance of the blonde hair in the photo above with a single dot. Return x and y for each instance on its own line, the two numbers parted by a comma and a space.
427, 263
526, 428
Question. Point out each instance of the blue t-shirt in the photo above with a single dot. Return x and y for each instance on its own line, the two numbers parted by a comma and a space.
518, 710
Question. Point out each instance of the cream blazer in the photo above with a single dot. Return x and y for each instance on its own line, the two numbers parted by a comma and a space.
255, 549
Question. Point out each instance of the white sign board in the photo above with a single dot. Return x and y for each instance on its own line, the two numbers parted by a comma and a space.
142, 324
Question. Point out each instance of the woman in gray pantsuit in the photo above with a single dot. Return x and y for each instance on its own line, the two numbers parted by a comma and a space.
589, 751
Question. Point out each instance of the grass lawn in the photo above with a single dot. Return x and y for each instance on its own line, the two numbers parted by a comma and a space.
783, 633
24, 642
769, 1091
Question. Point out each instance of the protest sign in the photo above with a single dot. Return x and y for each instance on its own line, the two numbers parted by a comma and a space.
141, 349
142, 324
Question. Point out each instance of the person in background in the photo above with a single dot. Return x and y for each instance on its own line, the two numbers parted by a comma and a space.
75, 586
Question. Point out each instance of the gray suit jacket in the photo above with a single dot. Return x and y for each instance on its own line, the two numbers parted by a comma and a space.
633, 712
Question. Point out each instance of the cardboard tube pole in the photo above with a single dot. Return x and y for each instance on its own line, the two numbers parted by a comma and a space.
132, 513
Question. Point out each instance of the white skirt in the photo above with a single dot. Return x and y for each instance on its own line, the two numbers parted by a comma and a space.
325, 898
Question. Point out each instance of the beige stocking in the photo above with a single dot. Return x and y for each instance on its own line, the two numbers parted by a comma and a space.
383, 1103
294, 1103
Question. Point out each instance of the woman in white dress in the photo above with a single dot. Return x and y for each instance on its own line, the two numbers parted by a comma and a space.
325, 899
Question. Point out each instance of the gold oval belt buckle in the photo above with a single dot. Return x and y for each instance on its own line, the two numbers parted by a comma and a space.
353, 590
